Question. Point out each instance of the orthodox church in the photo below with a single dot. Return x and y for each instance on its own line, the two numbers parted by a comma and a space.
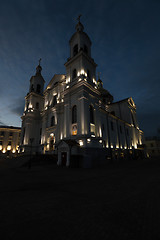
75, 117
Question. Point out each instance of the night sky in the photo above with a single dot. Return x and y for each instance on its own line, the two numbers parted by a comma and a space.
125, 37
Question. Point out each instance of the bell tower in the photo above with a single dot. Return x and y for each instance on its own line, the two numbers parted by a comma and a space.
31, 119
81, 84
80, 63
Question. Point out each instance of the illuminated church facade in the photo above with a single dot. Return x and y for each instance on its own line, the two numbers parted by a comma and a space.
75, 117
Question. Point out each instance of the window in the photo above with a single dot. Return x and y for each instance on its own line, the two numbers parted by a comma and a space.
54, 102
75, 49
52, 121
2, 133
23, 135
74, 74
112, 126
74, 114
10, 134
88, 73
32, 88
38, 88
9, 143
85, 49
37, 105
91, 113
1, 142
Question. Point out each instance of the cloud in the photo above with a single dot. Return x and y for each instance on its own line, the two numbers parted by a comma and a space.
17, 107
2, 123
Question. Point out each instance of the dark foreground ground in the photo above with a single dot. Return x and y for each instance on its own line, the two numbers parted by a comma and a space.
119, 201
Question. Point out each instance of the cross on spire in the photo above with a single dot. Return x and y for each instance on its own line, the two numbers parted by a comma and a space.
79, 17
40, 62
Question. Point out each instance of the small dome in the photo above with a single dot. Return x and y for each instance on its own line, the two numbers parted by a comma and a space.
79, 27
38, 69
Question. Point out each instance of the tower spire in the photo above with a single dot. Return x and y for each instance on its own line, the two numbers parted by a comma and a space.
39, 68
80, 15
40, 61
79, 26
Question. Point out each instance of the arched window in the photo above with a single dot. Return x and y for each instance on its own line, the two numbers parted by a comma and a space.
88, 73
74, 74
32, 88
85, 49
52, 121
91, 112
23, 135
38, 88
75, 49
37, 105
54, 102
74, 114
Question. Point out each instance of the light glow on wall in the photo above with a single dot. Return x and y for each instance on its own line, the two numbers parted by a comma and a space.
88, 140
82, 71
30, 105
100, 132
13, 151
81, 143
9, 148
100, 141
61, 136
135, 146
68, 80
4, 150
0, 147
94, 81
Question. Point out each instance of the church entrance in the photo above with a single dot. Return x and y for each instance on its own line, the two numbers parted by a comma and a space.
64, 158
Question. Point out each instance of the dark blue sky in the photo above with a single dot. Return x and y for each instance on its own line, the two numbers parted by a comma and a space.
125, 37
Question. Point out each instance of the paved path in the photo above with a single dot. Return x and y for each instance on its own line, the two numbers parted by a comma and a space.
120, 201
